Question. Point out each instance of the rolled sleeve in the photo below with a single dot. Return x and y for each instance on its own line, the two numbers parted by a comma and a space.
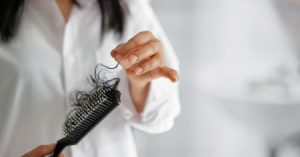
161, 107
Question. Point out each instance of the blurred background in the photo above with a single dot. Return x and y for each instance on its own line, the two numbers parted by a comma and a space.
240, 79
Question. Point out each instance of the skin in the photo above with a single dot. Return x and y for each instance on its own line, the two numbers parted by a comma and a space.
41, 151
142, 59
65, 7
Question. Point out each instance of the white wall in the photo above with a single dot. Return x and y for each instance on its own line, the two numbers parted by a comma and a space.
230, 35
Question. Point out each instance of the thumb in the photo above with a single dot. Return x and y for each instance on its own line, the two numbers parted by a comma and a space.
61, 155
43, 150
166, 72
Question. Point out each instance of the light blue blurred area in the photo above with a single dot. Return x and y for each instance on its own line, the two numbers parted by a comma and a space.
240, 79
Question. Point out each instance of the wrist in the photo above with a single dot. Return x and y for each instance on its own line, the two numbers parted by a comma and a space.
138, 83
139, 92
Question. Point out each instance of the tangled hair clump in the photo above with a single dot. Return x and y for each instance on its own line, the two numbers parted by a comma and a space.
103, 93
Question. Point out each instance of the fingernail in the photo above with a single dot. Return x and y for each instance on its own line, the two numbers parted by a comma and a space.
133, 59
156, 63
175, 78
118, 57
138, 71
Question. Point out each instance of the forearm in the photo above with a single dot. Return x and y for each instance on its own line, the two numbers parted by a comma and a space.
139, 92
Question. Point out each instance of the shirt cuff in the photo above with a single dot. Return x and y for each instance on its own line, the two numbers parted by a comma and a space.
161, 107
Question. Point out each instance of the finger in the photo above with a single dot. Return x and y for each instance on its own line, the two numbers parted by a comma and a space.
119, 46
125, 63
43, 150
114, 52
145, 51
61, 155
139, 39
166, 72
148, 65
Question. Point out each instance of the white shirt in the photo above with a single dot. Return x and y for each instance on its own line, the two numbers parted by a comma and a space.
48, 59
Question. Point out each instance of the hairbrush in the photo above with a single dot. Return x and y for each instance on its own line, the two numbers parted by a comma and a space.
90, 108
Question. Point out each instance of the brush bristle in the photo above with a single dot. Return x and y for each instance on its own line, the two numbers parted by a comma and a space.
90, 109
96, 102
93, 108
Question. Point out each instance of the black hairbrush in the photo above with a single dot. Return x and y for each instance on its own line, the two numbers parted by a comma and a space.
91, 108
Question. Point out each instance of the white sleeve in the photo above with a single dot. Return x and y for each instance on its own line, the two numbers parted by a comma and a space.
162, 104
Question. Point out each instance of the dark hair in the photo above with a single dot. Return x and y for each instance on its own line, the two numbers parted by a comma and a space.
113, 14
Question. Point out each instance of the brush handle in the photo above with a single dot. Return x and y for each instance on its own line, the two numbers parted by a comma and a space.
60, 145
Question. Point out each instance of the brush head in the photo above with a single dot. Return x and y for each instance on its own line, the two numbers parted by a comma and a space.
90, 108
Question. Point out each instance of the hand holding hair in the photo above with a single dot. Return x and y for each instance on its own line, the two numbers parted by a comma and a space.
142, 59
